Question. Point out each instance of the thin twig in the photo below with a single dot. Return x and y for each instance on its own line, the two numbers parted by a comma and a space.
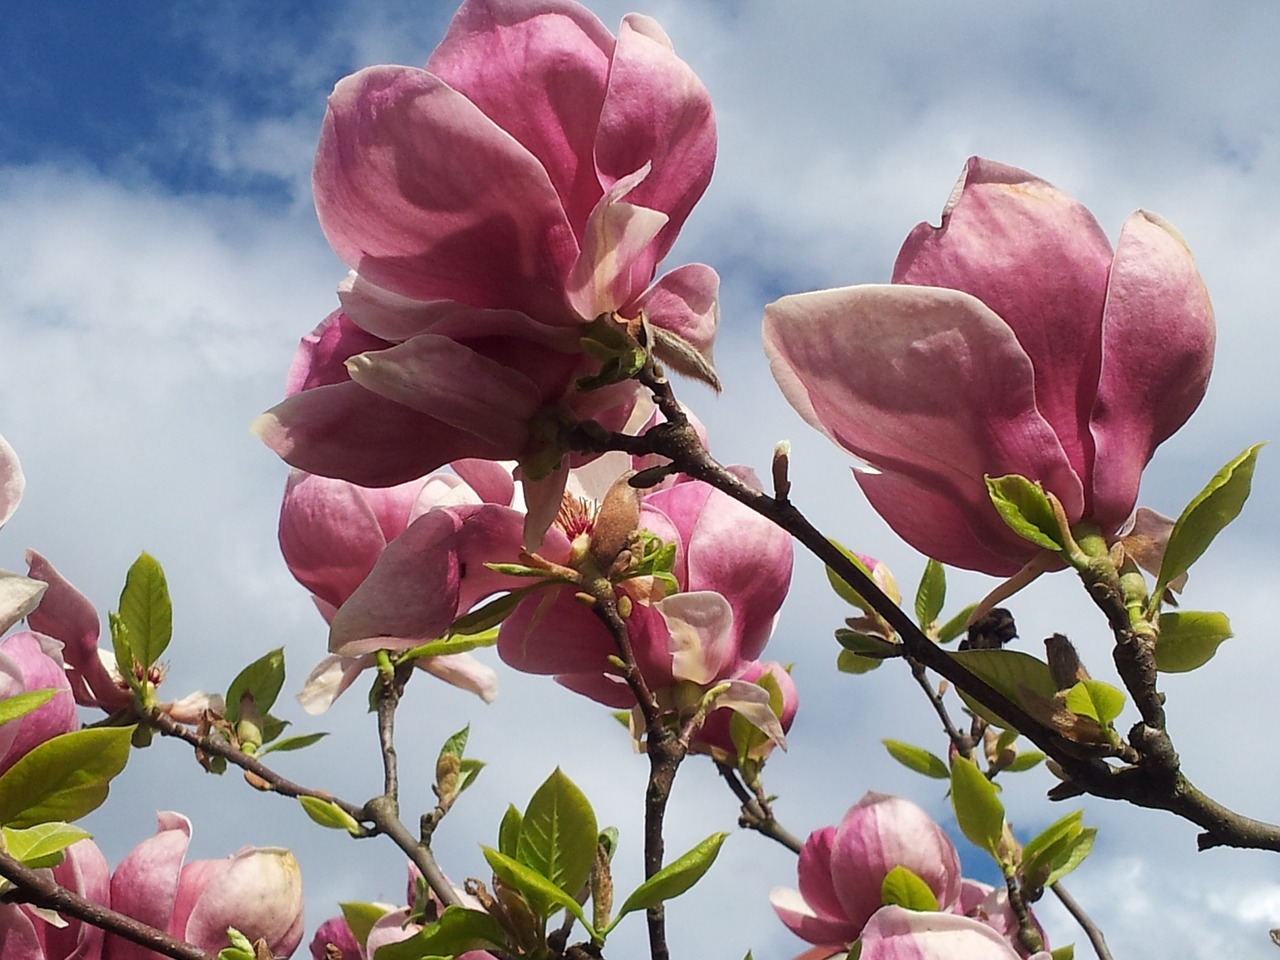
756, 815
37, 888
1091, 929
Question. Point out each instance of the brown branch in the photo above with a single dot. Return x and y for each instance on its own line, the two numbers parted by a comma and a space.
1091, 929
756, 814
37, 888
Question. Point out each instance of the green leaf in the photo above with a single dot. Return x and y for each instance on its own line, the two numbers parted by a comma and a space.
1209, 511
361, 917
558, 834
544, 896
956, 626
293, 743
456, 745
1026, 510
849, 662
917, 758
1065, 952
673, 879
978, 810
509, 831
63, 778
491, 614
903, 888
868, 645
457, 931
20, 704
1005, 671
842, 589
931, 594
1025, 761
1056, 851
1188, 639
329, 814
261, 681
239, 947
1093, 698
42, 845
146, 611
461, 643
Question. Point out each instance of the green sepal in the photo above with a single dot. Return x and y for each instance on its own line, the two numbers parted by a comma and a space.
1204, 518
1026, 510
41, 845
1189, 638
489, 615
543, 896
63, 778
293, 743
20, 704
457, 931
146, 611
977, 807
329, 814
902, 887
917, 758
461, 643
238, 947
931, 594
1095, 699
261, 681
673, 879
558, 834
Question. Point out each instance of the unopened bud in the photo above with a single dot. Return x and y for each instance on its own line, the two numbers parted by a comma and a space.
781, 470
1064, 663
616, 520
601, 889
447, 769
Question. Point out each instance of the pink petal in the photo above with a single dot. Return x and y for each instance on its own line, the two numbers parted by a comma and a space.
84, 871
30, 652
1158, 336
453, 384
1038, 260
551, 633
817, 885
902, 378
334, 932
145, 884
427, 197
12, 481
685, 302
656, 112
800, 918
19, 596
18, 940
386, 315
322, 354
613, 267
463, 671
491, 481
538, 71
257, 890
329, 679
702, 637
895, 933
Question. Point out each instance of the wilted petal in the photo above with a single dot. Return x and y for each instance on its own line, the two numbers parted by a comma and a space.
18, 597
423, 194
329, 679
901, 377
1158, 335
1038, 259
12, 481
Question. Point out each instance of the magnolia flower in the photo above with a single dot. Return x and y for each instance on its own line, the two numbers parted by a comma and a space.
18, 595
26, 934
256, 890
332, 533
1013, 340
842, 869
898, 934
523, 184
715, 738
31, 661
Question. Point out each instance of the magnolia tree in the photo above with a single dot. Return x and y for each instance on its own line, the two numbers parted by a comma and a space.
486, 450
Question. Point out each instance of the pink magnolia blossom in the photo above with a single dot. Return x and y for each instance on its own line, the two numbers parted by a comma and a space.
256, 890
526, 182
32, 661
18, 595
25, 935
894, 933
332, 533
714, 737
842, 869
1013, 340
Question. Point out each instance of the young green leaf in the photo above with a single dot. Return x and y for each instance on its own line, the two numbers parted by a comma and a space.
842, 589
509, 831
673, 879
329, 814
20, 704
261, 681
63, 778
1056, 850
1093, 698
956, 626
1065, 952
978, 810
917, 758
361, 917
903, 888
146, 611
1204, 518
931, 594
42, 845
558, 834
544, 896
293, 743
1005, 671
457, 931
1188, 639
1026, 510
238, 948
1025, 760
850, 662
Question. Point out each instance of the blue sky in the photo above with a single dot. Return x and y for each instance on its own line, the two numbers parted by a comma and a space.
160, 260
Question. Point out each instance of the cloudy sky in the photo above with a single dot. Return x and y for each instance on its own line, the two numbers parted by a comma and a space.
161, 258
